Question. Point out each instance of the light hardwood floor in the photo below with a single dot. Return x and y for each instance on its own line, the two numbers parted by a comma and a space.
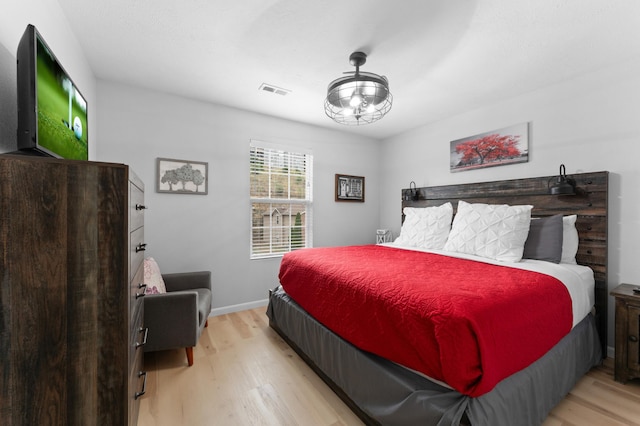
245, 374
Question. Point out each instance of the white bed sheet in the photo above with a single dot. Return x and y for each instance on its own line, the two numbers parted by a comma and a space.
578, 279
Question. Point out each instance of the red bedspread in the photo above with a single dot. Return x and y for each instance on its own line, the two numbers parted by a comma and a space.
469, 324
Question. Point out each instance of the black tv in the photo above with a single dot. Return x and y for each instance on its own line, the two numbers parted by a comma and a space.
52, 113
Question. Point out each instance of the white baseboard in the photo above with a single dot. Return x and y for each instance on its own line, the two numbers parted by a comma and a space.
238, 308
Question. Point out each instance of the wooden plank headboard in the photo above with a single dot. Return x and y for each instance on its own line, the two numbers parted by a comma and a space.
590, 204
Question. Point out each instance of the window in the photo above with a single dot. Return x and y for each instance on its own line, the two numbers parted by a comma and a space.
281, 199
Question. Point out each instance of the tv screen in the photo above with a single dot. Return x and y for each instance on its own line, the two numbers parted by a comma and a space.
52, 113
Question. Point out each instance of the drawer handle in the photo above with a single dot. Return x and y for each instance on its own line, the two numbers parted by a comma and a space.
144, 384
144, 338
141, 207
141, 247
143, 287
633, 339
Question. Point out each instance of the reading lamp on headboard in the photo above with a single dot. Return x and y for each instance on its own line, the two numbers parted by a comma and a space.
564, 185
413, 191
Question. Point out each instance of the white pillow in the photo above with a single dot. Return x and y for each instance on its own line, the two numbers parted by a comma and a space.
490, 230
569, 239
426, 227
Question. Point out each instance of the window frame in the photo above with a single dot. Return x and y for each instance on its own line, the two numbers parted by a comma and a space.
273, 229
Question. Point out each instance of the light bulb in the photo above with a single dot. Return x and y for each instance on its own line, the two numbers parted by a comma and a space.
356, 100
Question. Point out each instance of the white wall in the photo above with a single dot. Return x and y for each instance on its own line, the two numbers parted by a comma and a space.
52, 25
195, 232
589, 123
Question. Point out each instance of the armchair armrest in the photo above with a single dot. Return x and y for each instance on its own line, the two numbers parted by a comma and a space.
172, 319
187, 280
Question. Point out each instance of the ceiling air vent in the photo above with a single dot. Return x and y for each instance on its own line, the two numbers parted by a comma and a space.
274, 89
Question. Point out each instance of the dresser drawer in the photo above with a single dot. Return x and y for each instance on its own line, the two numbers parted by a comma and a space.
136, 207
137, 249
136, 291
137, 387
138, 333
633, 340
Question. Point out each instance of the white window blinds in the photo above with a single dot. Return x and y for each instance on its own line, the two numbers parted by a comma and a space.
281, 199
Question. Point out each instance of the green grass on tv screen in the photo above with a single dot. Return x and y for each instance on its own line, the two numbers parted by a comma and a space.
55, 129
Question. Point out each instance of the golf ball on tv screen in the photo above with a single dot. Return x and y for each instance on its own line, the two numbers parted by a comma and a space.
77, 127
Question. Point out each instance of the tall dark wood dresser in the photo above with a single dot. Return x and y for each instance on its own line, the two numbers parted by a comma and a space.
70, 306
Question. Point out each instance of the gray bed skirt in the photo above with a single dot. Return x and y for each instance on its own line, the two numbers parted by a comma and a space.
382, 392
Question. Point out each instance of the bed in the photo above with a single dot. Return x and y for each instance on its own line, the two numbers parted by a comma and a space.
452, 376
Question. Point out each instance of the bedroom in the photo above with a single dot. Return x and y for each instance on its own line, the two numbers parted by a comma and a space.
586, 121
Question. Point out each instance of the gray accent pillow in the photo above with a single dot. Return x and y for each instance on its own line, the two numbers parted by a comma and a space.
545, 239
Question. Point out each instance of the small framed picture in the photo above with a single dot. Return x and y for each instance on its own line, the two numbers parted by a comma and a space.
182, 176
349, 188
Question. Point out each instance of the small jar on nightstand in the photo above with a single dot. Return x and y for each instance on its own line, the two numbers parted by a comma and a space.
627, 362
383, 236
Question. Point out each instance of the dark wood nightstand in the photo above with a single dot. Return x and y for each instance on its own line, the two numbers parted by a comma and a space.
627, 363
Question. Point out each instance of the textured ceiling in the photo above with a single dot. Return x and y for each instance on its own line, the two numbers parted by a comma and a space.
442, 57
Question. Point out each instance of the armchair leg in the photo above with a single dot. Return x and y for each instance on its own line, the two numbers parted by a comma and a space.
189, 351
206, 323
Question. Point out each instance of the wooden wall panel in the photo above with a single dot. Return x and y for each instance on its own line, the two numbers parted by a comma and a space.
590, 204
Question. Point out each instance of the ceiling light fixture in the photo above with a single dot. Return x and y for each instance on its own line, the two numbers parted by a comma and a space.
360, 98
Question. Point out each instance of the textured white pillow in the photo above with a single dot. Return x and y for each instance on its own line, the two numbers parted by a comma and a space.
569, 239
490, 230
426, 227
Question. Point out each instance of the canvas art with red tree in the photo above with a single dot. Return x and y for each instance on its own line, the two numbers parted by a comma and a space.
499, 147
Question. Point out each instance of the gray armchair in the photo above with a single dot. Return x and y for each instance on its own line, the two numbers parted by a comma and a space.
175, 319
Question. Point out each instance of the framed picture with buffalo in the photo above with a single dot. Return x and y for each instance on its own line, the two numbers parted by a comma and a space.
349, 188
